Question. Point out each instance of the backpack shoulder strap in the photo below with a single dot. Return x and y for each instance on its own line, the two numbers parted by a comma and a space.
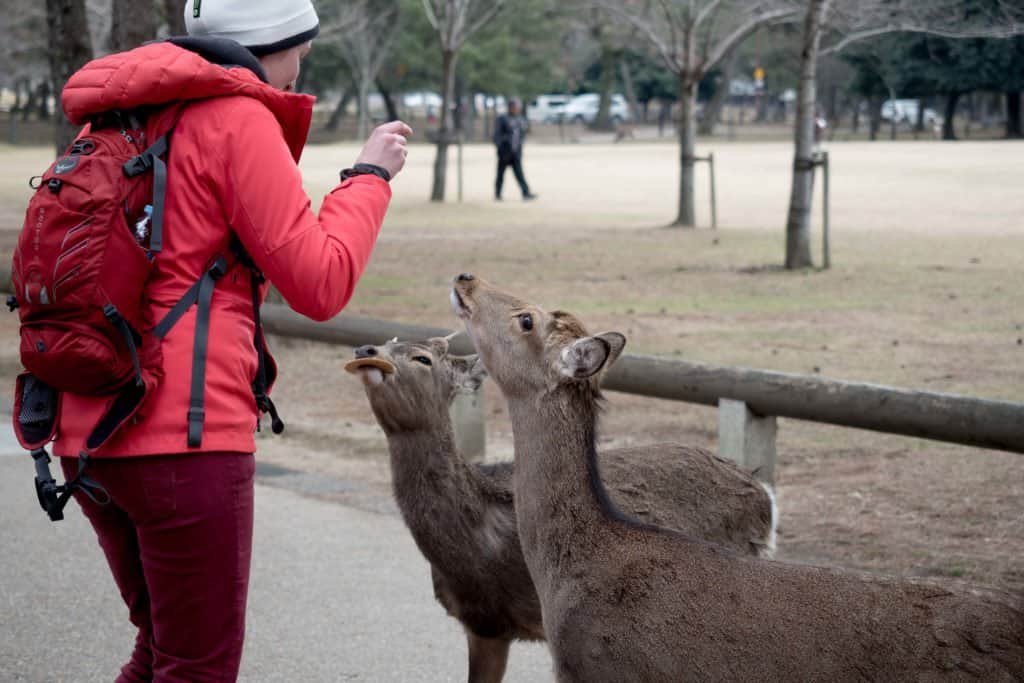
160, 124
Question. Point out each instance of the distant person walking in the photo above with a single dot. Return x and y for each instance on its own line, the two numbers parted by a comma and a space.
509, 131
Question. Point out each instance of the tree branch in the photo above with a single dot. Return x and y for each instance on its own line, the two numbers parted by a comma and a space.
428, 7
744, 30
1004, 32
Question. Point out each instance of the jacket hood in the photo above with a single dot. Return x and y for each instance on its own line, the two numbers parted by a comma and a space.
180, 70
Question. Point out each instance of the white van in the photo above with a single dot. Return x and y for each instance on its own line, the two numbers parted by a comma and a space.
546, 108
583, 109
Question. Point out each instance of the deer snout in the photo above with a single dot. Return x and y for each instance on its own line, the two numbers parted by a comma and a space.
367, 351
464, 277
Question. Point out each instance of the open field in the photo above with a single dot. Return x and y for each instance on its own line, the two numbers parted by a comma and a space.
925, 292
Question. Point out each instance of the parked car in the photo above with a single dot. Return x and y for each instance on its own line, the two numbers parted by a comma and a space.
546, 108
424, 103
905, 111
583, 109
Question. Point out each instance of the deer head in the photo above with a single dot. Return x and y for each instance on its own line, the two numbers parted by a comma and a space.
527, 350
411, 384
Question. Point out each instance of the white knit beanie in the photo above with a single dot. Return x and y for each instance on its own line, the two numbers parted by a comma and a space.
263, 26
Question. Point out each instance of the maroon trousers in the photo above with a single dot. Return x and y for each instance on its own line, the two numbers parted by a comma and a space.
177, 535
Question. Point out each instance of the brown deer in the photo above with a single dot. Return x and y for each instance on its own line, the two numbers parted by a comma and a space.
628, 601
462, 515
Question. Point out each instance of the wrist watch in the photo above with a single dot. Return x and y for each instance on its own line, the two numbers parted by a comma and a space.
366, 169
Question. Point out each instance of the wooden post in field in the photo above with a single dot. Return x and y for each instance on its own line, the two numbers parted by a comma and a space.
467, 413
826, 252
747, 439
460, 166
714, 203
710, 158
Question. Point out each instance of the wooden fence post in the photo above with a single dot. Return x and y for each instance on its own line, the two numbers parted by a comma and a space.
467, 412
747, 439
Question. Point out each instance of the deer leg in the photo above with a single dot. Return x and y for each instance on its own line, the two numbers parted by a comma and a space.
487, 658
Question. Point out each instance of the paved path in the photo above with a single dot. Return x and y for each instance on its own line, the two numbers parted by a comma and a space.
337, 594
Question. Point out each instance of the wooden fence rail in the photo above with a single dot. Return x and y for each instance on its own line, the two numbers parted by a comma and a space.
749, 400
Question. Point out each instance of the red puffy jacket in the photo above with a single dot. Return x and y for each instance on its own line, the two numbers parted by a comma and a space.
232, 170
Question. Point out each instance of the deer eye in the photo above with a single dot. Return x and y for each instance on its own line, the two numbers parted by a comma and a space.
423, 359
526, 322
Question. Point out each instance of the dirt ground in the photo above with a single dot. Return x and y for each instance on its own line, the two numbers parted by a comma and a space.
924, 293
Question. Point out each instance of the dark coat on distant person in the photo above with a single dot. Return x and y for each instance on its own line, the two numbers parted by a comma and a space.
509, 131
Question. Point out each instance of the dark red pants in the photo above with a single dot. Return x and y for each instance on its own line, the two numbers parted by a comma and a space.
177, 534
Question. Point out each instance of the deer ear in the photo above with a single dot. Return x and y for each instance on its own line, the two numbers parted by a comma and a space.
439, 345
616, 342
588, 356
469, 372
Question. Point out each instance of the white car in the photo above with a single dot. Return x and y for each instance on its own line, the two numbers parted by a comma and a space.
905, 111
583, 109
546, 108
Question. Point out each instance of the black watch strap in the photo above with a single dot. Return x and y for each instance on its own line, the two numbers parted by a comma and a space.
366, 169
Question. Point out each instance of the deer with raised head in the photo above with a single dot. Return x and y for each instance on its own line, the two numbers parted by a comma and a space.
627, 601
462, 516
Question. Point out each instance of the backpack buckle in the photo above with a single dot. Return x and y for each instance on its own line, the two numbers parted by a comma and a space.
138, 165
219, 268
47, 490
111, 313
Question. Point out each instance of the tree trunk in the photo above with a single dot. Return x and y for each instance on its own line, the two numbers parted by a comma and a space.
175, 18
875, 110
630, 92
68, 33
664, 114
389, 101
1013, 118
43, 101
363, 128
798, 223
443, 134
339, 111
31, 103
713, 109
919, 123
20, 85
602, 120
948, 130
130, 25
893, 120
687, 148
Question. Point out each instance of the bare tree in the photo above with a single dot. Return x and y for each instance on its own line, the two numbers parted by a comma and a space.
70, 49
611, 38
100, 16
828, 28
455, 22
798, 239
23, 52
131, 25
692, 36
371, 27
174, 17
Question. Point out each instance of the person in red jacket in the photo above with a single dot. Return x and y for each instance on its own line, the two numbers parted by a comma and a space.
177, 531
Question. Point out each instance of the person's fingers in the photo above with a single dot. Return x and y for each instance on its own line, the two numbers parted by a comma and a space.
397, 127
400, 139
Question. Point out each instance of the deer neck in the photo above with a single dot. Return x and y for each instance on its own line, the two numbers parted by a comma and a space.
558, 491
435, 490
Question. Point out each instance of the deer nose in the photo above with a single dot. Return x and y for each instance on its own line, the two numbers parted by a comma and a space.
465, 277
366, 351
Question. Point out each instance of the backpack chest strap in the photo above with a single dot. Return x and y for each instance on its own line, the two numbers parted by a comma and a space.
200, 294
